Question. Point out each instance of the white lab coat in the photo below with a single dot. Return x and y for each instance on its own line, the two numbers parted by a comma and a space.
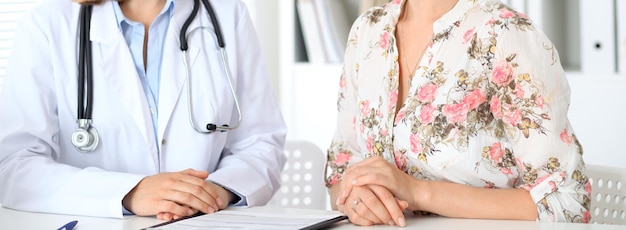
41, 171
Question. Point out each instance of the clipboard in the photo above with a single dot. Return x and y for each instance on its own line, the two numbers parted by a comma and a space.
326, 223
256, 218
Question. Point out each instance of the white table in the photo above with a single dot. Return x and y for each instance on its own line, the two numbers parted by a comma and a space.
11, 219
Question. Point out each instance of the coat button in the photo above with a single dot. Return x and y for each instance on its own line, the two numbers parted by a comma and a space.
163, 142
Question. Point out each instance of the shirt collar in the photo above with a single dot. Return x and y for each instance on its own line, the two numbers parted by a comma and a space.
120, 17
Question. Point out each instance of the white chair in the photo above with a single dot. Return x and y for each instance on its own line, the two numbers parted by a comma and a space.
302, 178
608, 188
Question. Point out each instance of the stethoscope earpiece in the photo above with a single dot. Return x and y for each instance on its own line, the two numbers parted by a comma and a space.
211, 128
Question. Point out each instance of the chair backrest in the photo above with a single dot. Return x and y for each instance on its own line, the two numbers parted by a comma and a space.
608, 201
302, 178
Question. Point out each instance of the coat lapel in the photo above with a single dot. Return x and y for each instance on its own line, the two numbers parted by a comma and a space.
173, 73
116, 65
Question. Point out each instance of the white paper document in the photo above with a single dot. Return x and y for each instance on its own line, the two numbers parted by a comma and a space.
257, 219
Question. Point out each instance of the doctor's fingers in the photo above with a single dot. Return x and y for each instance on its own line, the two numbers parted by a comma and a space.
171, 216
166, 216
192, 172
190, 195
168, 210
200, 182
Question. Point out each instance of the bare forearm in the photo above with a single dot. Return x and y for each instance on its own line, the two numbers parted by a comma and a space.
456, 200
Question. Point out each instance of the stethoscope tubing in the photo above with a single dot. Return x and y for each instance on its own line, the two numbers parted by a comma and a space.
184, 46
85, 70
86, 138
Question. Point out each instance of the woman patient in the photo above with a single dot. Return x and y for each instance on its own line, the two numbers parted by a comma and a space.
457, 108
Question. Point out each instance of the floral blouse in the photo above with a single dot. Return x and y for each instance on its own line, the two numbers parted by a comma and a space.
487, 107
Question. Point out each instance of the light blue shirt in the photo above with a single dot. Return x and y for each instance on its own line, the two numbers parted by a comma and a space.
150, 75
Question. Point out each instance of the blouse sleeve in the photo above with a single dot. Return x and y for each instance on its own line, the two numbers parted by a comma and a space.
344, 148
532, 97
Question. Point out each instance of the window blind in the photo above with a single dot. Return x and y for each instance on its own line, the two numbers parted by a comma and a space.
10, 13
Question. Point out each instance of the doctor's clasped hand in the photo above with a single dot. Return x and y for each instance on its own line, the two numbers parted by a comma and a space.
177, 194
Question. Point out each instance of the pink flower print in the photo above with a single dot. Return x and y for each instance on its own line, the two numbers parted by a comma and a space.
334, 179
396, 2
468, 35
430, 58
588, 187
455, 112
474, 99
427, 93
341, 159
427, 114
365, 108
506, 171
527, 187
520, 163
496, 107
586, 217
535, 183
368, 145
416, 144
552, 186
496, 152
522, 15
342, 83
354, 122
400, 161
505, 13
519, 91
400, 115
513, 117
393, 99
502, 73
362, 128
491, 22
541, 179
379, 113
384, 40
539, 101
566, 138
383, 132
489, 185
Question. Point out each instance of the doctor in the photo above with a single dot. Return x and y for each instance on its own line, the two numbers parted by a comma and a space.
150, 159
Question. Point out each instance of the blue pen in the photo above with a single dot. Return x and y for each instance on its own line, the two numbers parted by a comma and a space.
69, 226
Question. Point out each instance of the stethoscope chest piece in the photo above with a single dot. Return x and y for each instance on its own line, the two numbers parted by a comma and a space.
85, 139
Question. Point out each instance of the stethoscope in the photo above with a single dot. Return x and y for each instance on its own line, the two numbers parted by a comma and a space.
86, 138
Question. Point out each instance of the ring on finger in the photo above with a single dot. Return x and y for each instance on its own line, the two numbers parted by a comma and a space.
355, 203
